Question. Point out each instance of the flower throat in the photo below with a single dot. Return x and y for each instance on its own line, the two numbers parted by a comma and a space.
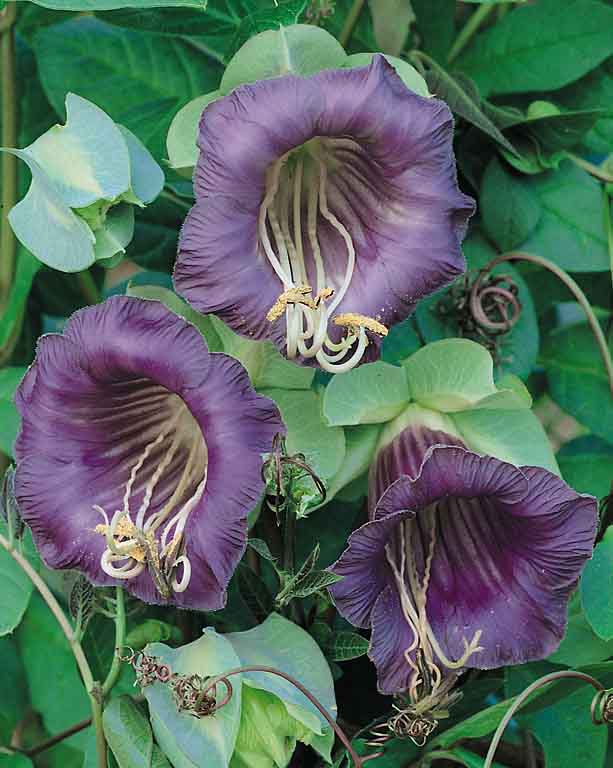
155, 540
297, 180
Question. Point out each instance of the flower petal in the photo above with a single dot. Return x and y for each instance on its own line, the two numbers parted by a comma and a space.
390, 638
103, 392
392, 184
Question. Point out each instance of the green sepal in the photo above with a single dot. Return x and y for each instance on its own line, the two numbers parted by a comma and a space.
408, 74
183, 132
299, 49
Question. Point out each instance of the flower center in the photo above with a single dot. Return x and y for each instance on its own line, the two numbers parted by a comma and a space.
424, 655
168, 478
297, 183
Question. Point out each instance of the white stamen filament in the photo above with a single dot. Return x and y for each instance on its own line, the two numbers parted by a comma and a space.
132, 546
413, 599
307, 322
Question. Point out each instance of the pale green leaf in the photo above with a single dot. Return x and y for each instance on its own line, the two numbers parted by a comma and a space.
370, 394
450, 375
283, 645
106, 5
184, 738
146, 176
307, 432
116, 232
300, 49
87, 159
183, 131
516, 436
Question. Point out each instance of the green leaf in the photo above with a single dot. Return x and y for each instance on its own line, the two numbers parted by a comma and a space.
204, 323
183, 132
343, 646
597, 587
263, 361
140, 80
537, 47
261, 547
15, 761
570, 230
561, 727
391, 21
370, 394
10, 379
593, 91
360, 444
577, 378
14, 701
104, 5
51, 672
184, 738
16, 590
26, 268
307, 432
300, 49
436, 26
128, 733
311, 584
450, 375
580, 644
516, 436
281, 644
509, 209
60, 238
463, 99
586, 464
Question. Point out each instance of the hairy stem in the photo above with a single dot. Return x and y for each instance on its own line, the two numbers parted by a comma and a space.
120, 636
53, 740
91, 687
525, 694
8, 244
350, 22
573, 288
469, 30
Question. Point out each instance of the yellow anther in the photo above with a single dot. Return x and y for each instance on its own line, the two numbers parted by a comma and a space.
299, 295
125, 529
324, 295
354, 322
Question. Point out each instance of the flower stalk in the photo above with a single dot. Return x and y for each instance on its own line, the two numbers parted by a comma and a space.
92, 687
8, 244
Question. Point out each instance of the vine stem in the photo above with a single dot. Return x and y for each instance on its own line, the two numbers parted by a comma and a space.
8, 244
93, 689
357, 760
574, 288
350, 22
469, 30
545, 680
120, 635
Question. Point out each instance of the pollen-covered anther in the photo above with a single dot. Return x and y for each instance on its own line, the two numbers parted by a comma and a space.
354, 322
323, 295
298, 295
